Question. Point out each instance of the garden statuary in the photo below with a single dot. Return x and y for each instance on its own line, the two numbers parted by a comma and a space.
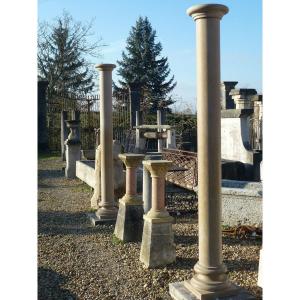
129, 225
73, 146
157, 247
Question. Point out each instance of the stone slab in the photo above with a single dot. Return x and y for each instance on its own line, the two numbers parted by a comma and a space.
178, 291
129, 224
158, 248
95, 220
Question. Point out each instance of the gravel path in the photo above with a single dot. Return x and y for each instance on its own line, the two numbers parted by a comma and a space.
77, 261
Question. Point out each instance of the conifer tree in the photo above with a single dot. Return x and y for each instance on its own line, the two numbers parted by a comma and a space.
142, 65
63, 49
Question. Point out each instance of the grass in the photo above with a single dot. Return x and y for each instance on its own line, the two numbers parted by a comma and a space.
48, 155
116, 241
83, 187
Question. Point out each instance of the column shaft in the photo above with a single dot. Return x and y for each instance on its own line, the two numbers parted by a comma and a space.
209, 137
106, 138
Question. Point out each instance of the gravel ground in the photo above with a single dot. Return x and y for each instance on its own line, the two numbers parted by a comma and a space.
78, 261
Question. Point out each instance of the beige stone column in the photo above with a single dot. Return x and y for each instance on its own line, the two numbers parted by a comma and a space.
157, 247
210, 278
107, 207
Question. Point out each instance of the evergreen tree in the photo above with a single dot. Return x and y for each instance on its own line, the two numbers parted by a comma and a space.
144, 67
63, 49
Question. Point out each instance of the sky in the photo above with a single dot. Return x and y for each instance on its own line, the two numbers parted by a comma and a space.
241, 36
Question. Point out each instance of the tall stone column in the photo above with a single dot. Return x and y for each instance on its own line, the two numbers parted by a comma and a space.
157, 247
73, 146
108, 210
210, 278
129, 225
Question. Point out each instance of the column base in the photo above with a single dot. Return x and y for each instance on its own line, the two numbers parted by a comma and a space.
104, 216
158, 248
129, 224
179, 291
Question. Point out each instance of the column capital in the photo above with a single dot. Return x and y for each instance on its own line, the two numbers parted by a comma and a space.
131, 160
205, 11
157, 168
105, 67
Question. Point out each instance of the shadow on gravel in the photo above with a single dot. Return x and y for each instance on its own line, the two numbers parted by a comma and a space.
241, 265
241, 241
49, 283
185, 239
50, 174
183, 263
64, 223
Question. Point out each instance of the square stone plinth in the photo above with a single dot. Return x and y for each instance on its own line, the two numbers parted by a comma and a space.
157, 247
129, 225
95, 220
179, 291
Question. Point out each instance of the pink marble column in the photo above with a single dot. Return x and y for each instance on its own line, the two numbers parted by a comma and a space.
131, 161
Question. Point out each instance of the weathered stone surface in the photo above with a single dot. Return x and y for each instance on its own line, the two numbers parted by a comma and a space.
98, 220
72, 155
157, 247
129, 225
178, 291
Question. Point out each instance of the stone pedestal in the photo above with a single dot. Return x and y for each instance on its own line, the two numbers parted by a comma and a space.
97, 189
63, 133
157, 247
129, 225
209, 280
108, 209
73, 147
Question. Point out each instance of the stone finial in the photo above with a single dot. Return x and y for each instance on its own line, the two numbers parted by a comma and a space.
242, 98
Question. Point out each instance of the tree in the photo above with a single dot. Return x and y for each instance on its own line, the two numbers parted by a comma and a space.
144, 67
63, 52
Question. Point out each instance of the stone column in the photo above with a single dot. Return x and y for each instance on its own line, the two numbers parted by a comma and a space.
159, 122
63, 133
73, 146
226, 100
171, 139
129, 225
140, 142
210, 278
42, 116
147, 182
135, 98
108, 210
157, 247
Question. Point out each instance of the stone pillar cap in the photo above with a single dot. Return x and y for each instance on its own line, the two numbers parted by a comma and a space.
244, 92
256, 98
131, 159
157, 168
203, 11
105, 67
